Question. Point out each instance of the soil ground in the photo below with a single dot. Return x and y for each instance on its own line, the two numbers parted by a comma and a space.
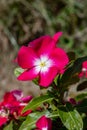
8, 80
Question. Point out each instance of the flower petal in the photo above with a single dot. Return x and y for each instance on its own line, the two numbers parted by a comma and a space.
9, 98
60, 58
36, 43
41, 45
81, 74
28, 75
18, 94
26, 99
47, 46
44, 123
46, 78
26, 113
84, 65
57, 36
3, 120
26, 57
86, 74
9, 101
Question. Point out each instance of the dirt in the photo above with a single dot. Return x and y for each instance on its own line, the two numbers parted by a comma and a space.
8, 80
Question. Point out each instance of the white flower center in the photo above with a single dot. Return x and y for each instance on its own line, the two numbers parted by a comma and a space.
42, 64
84, 69
45, 128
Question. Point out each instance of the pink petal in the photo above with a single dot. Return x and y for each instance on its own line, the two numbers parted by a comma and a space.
20, 113
84, 65
26, 113
10, 101
86, 74
9, 98
41, 45
15, 60
81, 74
26, 57
3, 120
18, 94
36, 43
60, 58
46, 78
26, 99
28, 75
49, 123
47, 46
44, 122
57, 36
72, 101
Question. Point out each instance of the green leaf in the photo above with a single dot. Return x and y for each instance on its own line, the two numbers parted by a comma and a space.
71, 55
73, 70
29, 123
36, 102
35, 81
73, 80
18, 71
9, 126
68, 41
82, 86
70, 118
82, 106
81, 96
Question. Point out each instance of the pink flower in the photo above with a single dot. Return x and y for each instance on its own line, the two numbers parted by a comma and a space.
3, 120
72, 101
42, 60
83, 73
12, 105
44, 123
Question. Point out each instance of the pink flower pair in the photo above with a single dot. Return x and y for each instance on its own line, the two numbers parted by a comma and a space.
12, 105
42, 59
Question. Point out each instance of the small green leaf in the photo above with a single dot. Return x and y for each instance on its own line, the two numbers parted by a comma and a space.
35, 81
9, 126
18, 71
36, 102
70, 118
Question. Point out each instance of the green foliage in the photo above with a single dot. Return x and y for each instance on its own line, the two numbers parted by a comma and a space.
70, 118
22, 22
53, 104
81, 96
30, 121
71, 74
82, 106
9, 126
18, 71
36, 102
82, 86
20, 19
71, 55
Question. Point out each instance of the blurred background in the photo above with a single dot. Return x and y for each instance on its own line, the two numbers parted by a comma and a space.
24, 20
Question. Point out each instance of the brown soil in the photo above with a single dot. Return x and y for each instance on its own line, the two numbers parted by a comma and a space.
8, 80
